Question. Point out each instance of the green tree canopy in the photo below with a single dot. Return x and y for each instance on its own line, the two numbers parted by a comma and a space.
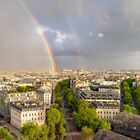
33, 131
86, 116
4, 134
104, 125
129, 109
87, 132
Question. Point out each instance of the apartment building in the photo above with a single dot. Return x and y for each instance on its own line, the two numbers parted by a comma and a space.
79, 83
26, 112
45, 95
105, 110
7, 98
92, 96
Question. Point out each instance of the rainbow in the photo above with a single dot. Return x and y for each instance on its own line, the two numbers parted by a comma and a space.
44, 39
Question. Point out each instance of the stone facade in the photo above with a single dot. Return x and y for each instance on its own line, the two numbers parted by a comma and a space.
26, 112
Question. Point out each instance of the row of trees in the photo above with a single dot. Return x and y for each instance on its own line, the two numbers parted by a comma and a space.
56, 122
55, 117
21, 89
131, 96
85, 116
137, 98
58, 90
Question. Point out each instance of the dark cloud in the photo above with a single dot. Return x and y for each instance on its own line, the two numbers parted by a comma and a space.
117, 20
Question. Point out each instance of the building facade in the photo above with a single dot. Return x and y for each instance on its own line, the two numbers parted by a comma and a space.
110, 97
22, 113
79, 83
7, 98
105, 110
45, 96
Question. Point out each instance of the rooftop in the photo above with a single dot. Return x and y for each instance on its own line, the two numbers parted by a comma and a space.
105, 105
26, 106
89, 92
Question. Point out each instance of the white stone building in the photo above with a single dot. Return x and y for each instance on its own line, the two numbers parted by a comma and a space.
26, 112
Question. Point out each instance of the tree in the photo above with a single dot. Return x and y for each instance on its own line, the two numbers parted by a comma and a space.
53, 115
83, 104
58, 100
4, 134
55, 105
104, 125
44, 132
21, 89
93, 88
87, 133
31, 131
62, 123
52, 131
129, 109
127, 97
53, 118
131, 96
71, 100
86, 116
137, 97
62, 131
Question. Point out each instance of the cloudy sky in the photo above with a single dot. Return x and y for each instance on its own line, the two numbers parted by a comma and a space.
82, 34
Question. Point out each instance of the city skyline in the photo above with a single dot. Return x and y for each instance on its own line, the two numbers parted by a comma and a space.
81, 34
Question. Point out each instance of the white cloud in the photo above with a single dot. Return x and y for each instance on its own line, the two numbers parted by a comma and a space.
100, 35
60, 37
40, 30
